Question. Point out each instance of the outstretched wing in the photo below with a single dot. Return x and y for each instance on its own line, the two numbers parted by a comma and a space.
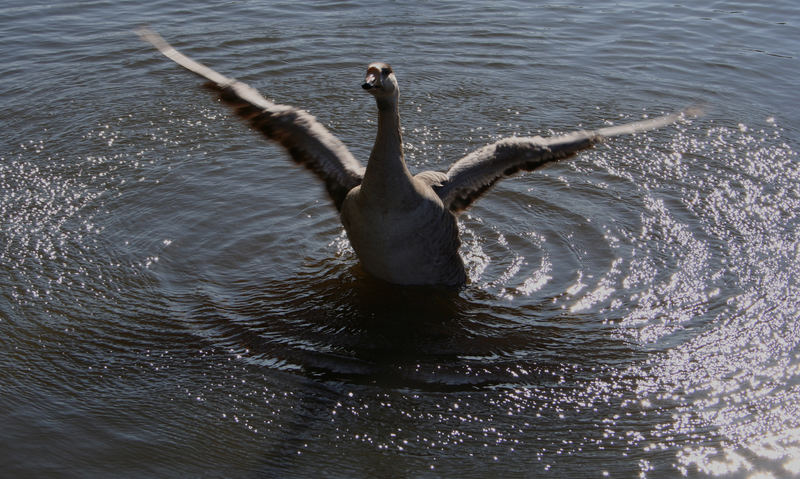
307, 141
474, 174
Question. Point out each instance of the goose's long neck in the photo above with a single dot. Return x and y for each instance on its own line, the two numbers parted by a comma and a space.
387, 174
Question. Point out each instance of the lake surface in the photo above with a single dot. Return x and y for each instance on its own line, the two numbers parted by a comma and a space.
177, 299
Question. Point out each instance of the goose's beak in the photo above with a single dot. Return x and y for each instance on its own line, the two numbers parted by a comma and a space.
370, 81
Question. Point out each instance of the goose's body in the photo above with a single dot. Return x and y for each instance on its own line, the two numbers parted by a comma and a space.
402, 227
396, 223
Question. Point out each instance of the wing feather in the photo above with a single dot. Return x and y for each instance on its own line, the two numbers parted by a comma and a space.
307, 141
476, 173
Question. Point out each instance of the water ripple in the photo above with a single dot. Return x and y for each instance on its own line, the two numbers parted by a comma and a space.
168, 278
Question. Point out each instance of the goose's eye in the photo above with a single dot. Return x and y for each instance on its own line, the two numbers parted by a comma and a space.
385, 72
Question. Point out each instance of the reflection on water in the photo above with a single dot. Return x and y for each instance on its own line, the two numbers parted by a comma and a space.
349, 327
653, 313
173, 289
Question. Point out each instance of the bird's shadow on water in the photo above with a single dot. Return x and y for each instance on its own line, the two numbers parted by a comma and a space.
332, 331
347, 327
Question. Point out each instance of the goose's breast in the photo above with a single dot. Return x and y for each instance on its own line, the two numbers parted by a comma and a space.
410, 244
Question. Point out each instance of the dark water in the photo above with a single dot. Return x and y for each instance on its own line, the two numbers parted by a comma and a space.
179, 300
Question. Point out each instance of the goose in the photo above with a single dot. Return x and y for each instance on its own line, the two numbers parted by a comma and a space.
402, 227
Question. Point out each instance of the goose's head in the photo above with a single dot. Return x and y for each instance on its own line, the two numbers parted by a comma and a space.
380, 80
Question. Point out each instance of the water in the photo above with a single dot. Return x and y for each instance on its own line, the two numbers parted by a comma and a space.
179, 300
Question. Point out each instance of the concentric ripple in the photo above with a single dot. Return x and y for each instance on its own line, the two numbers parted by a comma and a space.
177, 299
619, 292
